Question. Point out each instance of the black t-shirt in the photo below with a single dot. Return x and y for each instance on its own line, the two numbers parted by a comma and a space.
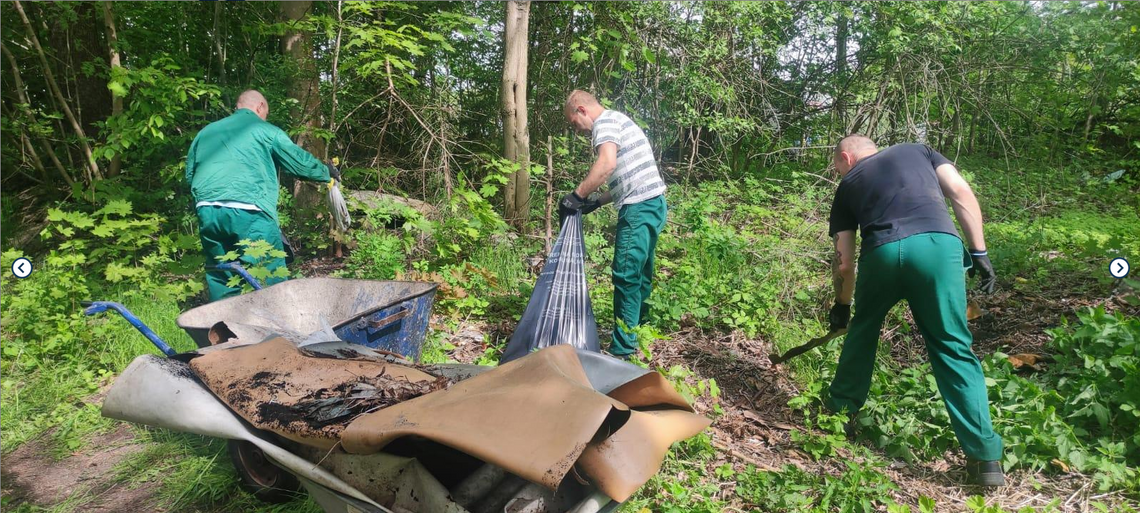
892, 195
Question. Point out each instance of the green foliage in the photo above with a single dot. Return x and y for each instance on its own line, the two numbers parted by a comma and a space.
192, 472
693, 388
682, 484
110, 251
159, 100
378, 256
1049, 250
255, 256
716, 276
860, 487
1081, 413
824, 437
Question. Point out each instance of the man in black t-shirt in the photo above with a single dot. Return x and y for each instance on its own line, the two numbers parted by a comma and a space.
911, 250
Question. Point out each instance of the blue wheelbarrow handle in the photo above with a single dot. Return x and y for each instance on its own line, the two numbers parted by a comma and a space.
236, 267
95, 307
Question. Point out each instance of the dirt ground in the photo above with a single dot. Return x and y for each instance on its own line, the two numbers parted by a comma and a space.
30, 474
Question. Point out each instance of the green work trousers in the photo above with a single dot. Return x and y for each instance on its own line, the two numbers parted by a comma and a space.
220, 229
927, 270
638, 226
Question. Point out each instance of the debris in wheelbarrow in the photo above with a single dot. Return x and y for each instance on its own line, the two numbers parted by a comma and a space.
496, 439
537, 417
418, 474
304, 395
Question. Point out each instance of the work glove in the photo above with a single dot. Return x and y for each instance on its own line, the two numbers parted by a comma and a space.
334, 172
839, 316
590, 205
985, 271
569, 205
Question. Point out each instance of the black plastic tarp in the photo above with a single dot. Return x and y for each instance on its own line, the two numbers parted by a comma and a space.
559, 310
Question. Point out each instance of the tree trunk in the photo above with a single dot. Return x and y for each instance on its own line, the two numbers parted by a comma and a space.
516, 144
23, 97
297, 46
219, 46
305, 88
549, 190
841, 65
116, 100
92, 166
335, 69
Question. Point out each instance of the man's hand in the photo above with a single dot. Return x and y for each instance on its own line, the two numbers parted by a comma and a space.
334, 172
591, 204
839, 316
569, 205
985, 271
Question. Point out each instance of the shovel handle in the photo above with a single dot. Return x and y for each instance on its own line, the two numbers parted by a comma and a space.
811, 344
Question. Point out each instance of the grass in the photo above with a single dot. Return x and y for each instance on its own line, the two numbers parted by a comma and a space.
193, 472
33, 401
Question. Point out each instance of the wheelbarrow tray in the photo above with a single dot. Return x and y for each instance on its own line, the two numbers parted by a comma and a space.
388, 315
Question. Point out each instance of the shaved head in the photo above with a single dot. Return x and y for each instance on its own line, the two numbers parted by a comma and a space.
856, 143
850, 150
252, 99
581, 110
582, 98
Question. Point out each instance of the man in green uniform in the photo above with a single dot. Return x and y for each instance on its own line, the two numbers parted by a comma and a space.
626, 164
911, 250
232, 172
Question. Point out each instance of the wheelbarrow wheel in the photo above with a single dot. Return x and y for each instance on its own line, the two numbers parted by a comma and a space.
259, 476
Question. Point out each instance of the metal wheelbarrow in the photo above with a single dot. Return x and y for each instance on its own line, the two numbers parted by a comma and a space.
391, 316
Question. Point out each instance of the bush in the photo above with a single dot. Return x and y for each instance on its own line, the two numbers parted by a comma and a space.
378, 256
110, 253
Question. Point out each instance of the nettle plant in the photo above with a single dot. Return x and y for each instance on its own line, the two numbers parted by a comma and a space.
255, 256
111, 253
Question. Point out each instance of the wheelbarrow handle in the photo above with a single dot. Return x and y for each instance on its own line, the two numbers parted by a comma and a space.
96, 307
236, 267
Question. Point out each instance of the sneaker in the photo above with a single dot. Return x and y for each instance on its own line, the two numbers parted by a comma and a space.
984, 473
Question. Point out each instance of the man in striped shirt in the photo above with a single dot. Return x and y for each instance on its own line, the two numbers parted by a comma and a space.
626, 164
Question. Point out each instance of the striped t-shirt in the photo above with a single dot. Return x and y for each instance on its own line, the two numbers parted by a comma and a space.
635, 178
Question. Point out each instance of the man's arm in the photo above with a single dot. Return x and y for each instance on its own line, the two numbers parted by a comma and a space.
600, 171
190, 162
296, 161
965, 205
969, 215
843, 267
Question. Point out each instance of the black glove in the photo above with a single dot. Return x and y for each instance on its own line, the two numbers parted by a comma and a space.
590, 205
334, 172
569, 205
985, 271
839, 316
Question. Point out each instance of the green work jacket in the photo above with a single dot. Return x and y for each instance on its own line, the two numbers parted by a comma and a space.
236, 159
